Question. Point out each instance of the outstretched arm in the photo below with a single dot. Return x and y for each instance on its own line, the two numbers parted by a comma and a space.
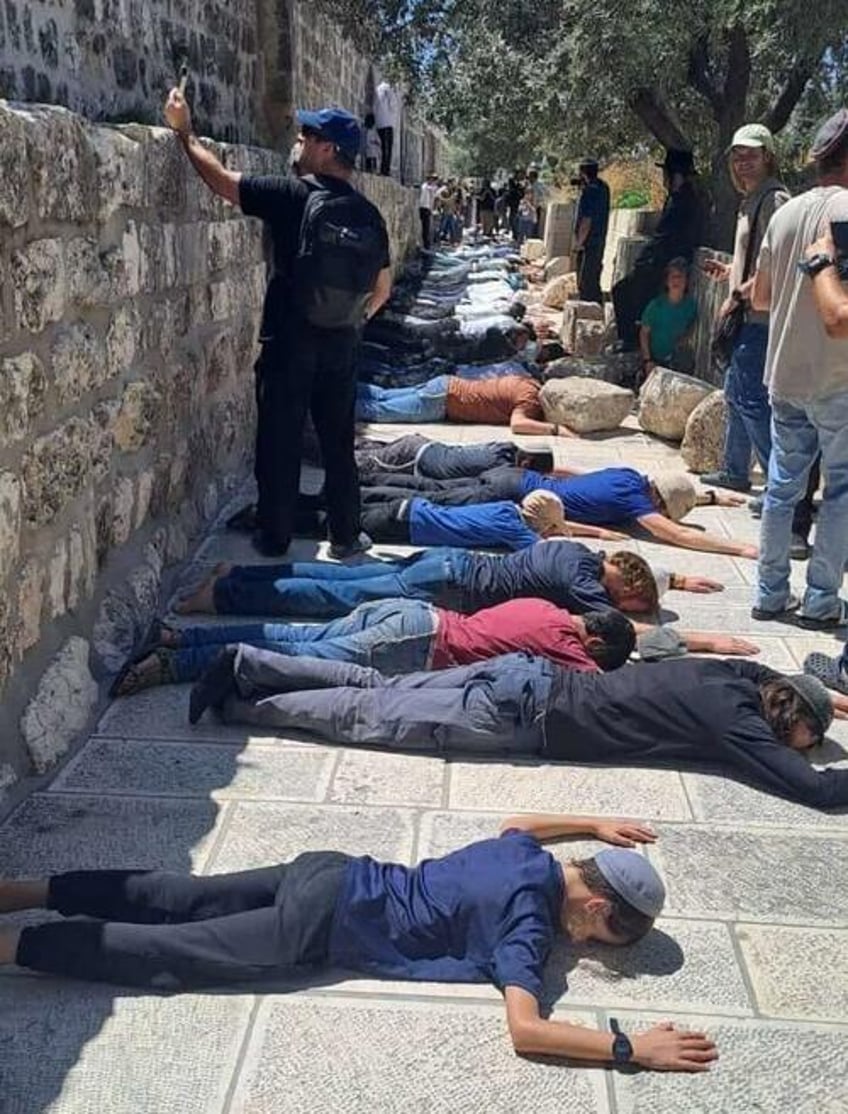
676, 534
544, 826
662, 1048
216, 176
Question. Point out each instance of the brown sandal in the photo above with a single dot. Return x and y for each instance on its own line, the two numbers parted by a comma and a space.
133, 677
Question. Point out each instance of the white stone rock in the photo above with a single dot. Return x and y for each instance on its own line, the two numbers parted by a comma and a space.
57, 575
531, 250
559, 265
589, 337
62, 704
121, 342
558, 290
585, 405
667, 399
575, 311
144, 491
122, 512
703, 441
10, 522
30, 601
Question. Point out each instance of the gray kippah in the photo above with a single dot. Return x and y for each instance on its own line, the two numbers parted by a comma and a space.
815, 696
633, 878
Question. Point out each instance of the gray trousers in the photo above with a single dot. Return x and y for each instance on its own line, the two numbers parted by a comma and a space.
493, 707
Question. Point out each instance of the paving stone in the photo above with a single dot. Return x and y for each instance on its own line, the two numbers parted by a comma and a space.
718, 799
366, 777
537, 787
260, 833
764, 1068
83, 1038
162, 713
787, 877
680, 965
198, 770
442, 832
393, 1058
797, 972
51, 833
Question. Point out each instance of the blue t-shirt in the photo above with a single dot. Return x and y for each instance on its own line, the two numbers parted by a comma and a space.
603, 498
594, 203
479, 526
564, 572
486, 913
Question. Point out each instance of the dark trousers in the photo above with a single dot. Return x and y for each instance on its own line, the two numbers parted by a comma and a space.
630, 295
450, 493
310, 371
387, 142
426, 218
589, 273
494, 707
169, 931
802, 518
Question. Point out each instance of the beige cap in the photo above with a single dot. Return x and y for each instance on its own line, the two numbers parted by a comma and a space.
543, 512
677, 492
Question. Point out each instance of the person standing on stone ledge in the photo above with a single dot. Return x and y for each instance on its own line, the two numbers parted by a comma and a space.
331, 273
590, 231
679, 232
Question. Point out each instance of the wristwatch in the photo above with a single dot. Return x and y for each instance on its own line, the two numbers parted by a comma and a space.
815, 264
622, 1049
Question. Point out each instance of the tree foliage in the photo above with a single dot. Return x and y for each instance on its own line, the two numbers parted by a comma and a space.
564, 77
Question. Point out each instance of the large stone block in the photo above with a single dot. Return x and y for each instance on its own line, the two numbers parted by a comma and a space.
30, 601
667, 399
558, 290
64, 700
559, 265
56, 469
77, 359
22, 386
619, 367
62, 165
136, 416
87, 277
10, 522
38, 275
122, 341
585, 405
706, 429
119, 161
589, 337
15, 189
531, 250
573, 312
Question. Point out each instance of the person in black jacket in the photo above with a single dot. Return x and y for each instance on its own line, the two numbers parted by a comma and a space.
732, 717
679, 232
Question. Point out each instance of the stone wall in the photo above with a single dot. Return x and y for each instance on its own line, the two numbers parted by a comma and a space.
127, 339
116, 59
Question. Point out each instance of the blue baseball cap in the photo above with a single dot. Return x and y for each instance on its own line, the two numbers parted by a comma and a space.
335, 125
633, 878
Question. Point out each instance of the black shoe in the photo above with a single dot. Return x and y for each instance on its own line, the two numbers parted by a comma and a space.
268, 546
724, 479
799, 548
339, 551
244, 521
763, 615
216, 684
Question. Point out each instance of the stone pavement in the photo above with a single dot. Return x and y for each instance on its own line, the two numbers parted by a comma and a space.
754, 946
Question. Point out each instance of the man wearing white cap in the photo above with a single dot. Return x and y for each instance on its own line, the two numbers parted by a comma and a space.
807, 378
488, 912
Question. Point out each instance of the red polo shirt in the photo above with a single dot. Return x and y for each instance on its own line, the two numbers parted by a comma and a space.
536, 626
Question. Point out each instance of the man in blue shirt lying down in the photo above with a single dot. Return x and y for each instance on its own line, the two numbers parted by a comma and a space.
488, 912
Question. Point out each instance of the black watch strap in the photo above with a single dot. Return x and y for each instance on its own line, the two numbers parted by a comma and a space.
816, 264
622, 1049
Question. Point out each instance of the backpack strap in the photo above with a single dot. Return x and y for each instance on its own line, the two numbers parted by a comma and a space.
752, 233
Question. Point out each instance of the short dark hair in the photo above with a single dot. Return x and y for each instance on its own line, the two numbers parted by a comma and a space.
538, 460
344, 158
784, 709
678, 264
833, 161
617, 634
623, 921
550, 350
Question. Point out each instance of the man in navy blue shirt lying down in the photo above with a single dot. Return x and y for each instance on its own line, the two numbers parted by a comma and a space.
488, 912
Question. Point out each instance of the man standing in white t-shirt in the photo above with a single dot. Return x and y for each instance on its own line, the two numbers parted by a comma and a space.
426, 201
806, 375
387, 112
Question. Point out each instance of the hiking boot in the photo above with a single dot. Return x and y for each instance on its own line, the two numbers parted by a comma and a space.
724, 479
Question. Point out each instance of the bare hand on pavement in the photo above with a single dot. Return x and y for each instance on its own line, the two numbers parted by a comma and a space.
730, 644
664, 1048
624, 833
701, 585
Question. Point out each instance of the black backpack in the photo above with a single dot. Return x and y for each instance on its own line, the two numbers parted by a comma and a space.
341, 252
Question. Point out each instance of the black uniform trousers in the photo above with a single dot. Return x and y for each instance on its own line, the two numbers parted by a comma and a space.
591, 262
310, 370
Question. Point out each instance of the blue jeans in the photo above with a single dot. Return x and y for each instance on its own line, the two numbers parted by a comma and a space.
394, 636
424, 403
748, 409
495, 707
799, 431
321, 590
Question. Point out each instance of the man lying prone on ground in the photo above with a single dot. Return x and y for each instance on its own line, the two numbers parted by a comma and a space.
729, 716
488, 912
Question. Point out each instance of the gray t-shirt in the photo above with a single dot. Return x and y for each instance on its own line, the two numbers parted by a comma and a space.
772, 194
802, 363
